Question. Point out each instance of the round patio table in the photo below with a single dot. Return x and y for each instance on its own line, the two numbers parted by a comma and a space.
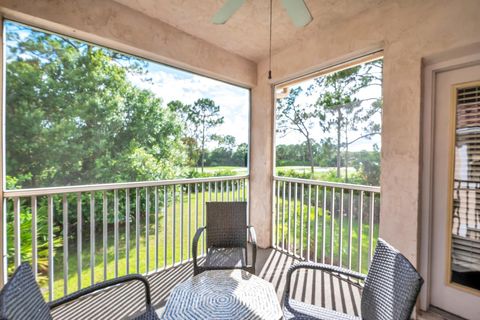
223, 294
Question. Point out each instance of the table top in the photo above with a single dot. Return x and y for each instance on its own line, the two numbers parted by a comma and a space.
223, 294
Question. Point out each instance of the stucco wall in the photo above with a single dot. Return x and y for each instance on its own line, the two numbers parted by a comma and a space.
114, 25
261, 160
407, 30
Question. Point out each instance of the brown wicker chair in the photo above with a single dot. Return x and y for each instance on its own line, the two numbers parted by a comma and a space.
21, 298
226, 233
389, 292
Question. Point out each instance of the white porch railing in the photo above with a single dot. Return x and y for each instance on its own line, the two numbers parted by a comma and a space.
77, 236
334, 223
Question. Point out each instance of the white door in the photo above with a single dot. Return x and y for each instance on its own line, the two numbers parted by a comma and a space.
455, 261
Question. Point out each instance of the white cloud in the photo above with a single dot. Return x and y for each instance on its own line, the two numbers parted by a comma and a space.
172, 84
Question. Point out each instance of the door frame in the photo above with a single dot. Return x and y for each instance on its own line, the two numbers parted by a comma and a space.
459, 58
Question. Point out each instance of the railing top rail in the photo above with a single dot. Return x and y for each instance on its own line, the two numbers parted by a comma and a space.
112, 186
330, 184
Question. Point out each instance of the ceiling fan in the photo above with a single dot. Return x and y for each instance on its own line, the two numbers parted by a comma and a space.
296, 9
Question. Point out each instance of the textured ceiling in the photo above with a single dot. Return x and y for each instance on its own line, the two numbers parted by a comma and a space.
246, 33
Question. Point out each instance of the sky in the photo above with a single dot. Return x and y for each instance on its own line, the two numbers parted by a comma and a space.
294, 137
171, 84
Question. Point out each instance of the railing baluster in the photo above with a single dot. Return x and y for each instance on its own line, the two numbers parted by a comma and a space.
340, 240
289, 217
302, 213
79, 239
248, 207
371, 226
181, 222
115, 231
51, 267
137, 229
360, 232
221, 189
127, 231
332, 226
350, 229
147, 229
105, 234
308, 220
196, 206
203, 216
283, 215
239, 185
65, 244
210, 191
109, 250
165, 224
16, 232
189, 221
92, 238
34, 237
174, 213
315, 243
227, 190
295, 207
244, 189
156, 225
277, 223
4, 250
324, 221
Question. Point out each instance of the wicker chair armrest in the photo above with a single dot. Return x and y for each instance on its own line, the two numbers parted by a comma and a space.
253, 241
195, 245
321, 267
103, 285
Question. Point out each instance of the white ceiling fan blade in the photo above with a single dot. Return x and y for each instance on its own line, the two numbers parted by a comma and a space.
298, 12
225, 12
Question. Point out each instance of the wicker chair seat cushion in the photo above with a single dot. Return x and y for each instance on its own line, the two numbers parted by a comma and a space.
304, 311
225, 258
21, 298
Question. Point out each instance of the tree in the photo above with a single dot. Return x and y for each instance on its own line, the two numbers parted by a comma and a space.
203, 115
367, 164
198, 120
189, 130
339, 107
297, 116
224, 141
73, 116
240, 155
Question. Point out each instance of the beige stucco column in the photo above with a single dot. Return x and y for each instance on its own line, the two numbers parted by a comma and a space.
261, 160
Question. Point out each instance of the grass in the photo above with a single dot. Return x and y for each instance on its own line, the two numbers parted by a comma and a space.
320, 173
303, 243
212, 170
175, 244
177, 247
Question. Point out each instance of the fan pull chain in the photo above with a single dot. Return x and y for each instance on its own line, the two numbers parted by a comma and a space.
270, 49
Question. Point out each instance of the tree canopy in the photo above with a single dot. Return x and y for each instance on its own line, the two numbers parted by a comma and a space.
73, 116
331, 113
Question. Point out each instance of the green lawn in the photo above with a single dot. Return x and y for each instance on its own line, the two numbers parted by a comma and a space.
181, 244
320, 173
296, 235
212, 170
